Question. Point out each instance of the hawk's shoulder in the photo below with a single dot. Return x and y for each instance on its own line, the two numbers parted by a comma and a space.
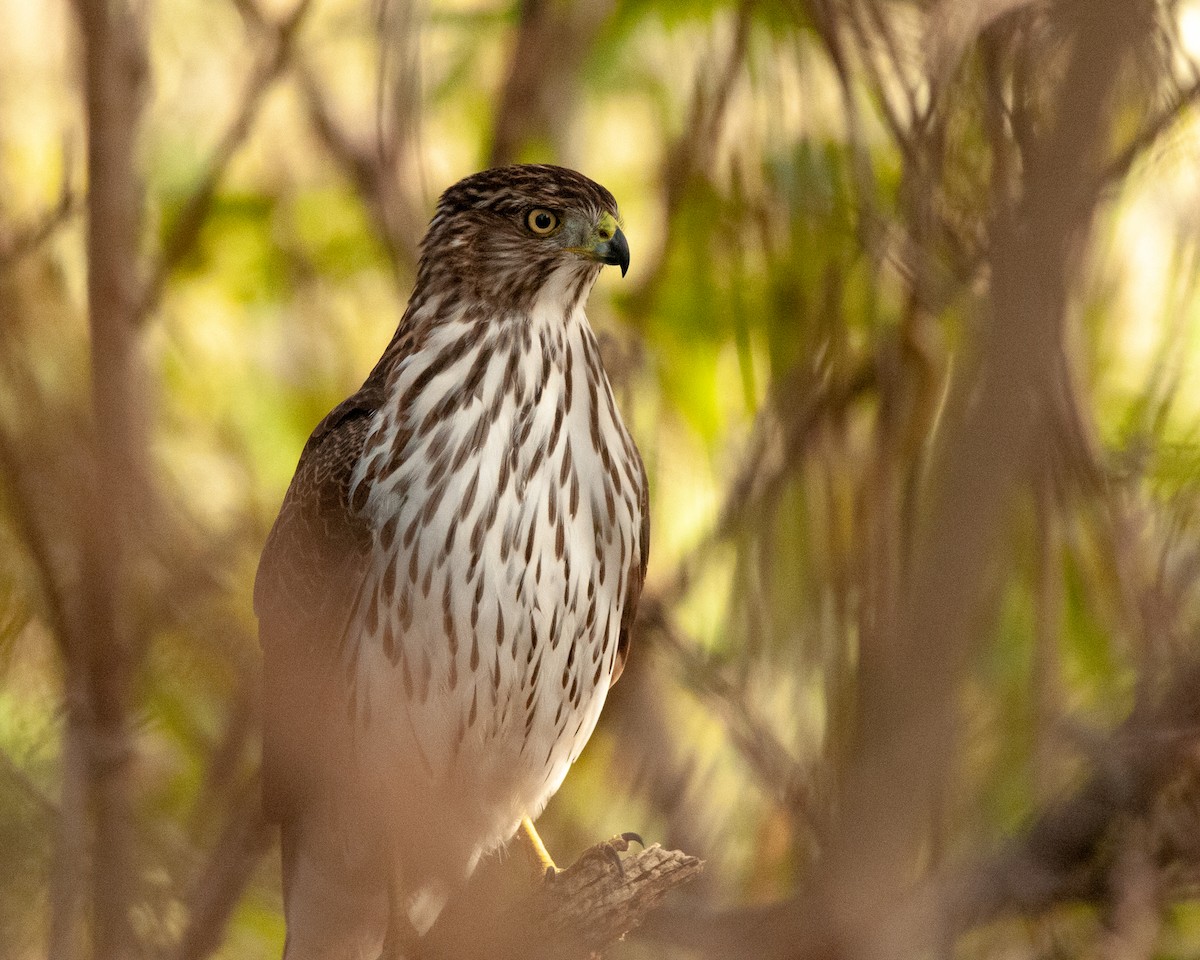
316, 534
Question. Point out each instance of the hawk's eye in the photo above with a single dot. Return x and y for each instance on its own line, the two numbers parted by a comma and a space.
541, 221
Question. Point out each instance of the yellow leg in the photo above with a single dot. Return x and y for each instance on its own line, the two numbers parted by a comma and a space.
539, 857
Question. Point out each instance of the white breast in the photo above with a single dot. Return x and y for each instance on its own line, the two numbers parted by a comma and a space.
507, 531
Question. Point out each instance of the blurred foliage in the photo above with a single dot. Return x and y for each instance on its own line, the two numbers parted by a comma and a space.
802, 251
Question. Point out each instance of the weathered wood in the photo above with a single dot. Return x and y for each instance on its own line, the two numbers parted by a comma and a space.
578, 914
594, 903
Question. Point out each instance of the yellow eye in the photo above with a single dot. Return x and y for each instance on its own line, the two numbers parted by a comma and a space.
541, 221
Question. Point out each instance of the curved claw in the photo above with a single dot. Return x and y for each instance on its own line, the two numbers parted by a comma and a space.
609, 853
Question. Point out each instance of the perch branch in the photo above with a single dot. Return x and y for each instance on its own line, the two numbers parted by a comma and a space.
588, 909
579, 914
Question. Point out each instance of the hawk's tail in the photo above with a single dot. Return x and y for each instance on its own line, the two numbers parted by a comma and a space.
336, 903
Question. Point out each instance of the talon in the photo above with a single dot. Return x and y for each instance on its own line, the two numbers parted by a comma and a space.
630, 837
549, 875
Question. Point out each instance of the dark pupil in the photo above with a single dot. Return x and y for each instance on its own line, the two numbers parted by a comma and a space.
543, 221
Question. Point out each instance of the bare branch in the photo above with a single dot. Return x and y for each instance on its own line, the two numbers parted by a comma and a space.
102, 668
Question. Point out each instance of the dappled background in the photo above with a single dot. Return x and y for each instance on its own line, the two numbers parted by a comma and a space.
909, 345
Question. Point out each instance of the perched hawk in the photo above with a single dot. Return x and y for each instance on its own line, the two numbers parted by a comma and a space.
446, 596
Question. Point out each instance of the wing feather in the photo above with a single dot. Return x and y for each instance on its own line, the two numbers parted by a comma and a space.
312, 568
637, 575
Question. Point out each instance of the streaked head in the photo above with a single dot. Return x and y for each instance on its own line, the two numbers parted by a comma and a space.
503, 233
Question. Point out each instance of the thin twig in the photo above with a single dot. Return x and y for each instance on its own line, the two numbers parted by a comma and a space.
779, 774
1118, 168
773, 452
28, 238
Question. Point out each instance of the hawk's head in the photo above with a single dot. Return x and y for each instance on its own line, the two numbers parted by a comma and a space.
503, 234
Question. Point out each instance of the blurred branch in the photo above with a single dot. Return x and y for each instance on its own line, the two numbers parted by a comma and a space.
30, 790
780, 775
102, 654
1049, 604
26, 239
374, 176
32, 534
539, 94
1067, 854
223, 765
800, 403
398, 93
1074, 852
184, 231
67, 878
898, 126
218, 888
1134, 909
952, 28
692, 154
905, 739
1149, 134
997, 409
871, 226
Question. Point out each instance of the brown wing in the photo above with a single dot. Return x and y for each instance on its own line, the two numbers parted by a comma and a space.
637, 577
312, 568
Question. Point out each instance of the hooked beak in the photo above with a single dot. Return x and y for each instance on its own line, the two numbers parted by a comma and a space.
608, 244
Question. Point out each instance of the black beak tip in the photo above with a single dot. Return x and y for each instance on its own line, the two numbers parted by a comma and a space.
616, 252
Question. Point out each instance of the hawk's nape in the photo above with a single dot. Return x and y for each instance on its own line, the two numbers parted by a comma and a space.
447, 594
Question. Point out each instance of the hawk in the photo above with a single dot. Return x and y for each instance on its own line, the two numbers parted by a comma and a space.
448, 591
